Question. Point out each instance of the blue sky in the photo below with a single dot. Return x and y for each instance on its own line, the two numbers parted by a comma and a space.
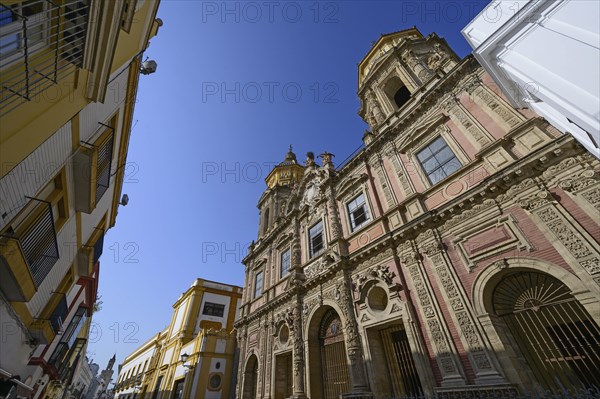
236, 84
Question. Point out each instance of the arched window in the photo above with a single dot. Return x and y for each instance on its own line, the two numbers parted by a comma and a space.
266, 221
558, 338
397, 92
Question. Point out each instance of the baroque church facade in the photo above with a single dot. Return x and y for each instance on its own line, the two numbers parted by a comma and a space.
458, 250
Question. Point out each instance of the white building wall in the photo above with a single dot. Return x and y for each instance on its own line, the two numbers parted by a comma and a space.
29, 177
139, 360
90, 221
214, 298
15, 351
208, 394
545, 55
94, 113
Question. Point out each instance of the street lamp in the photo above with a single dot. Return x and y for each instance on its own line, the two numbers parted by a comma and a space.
184, 359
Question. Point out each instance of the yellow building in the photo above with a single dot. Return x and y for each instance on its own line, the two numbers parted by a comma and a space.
194, 357
69, 72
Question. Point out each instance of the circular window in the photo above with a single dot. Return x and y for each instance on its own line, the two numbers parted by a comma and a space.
284, 334
377, 299
218, 365
214, 381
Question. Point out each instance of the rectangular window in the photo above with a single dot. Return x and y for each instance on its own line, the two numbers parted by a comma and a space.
58, 315
157, 387
213, 309
258, 284
286, 258
74, 327
438, 160
315, 238
178, 389
358, 211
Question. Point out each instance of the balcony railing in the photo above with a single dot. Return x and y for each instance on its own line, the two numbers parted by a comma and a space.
105, 153
90, 254
30, 247
92, 166
41, 43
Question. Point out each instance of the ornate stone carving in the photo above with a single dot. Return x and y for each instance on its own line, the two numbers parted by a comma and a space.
379, 258
535, 200
593, 197
380, 272
500, 264
587, 257
465, 121
517, 188
334, 217
374, 108
464, 319
404, 183
493, 102
383, 182
438, 337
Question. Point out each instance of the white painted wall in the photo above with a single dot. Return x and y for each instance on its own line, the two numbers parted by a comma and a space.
33, 173
545, 55
138, 362
214, 298
15, 353
213, 369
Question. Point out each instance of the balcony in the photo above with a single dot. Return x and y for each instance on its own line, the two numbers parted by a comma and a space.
64, 359
41, 43
28, 251
92, 164
90, 254
70, 344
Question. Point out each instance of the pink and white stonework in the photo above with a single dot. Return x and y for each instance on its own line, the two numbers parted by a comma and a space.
458, 250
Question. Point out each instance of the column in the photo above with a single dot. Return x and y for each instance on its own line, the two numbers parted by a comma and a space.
358, 376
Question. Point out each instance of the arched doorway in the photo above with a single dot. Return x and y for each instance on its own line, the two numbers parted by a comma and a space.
555, 334
250, 378
334, 366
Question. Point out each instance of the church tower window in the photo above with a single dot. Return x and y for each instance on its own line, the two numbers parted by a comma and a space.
397, 92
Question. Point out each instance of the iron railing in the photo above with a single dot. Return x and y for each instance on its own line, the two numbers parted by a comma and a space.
350, 157
37, 240
41, 43
98, 247
105, 154
59, 314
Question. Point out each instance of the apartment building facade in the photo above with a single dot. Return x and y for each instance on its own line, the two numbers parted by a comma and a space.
69, 72
195, 356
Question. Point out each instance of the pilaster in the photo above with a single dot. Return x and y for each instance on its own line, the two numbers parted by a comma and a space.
481, 358
445, 352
